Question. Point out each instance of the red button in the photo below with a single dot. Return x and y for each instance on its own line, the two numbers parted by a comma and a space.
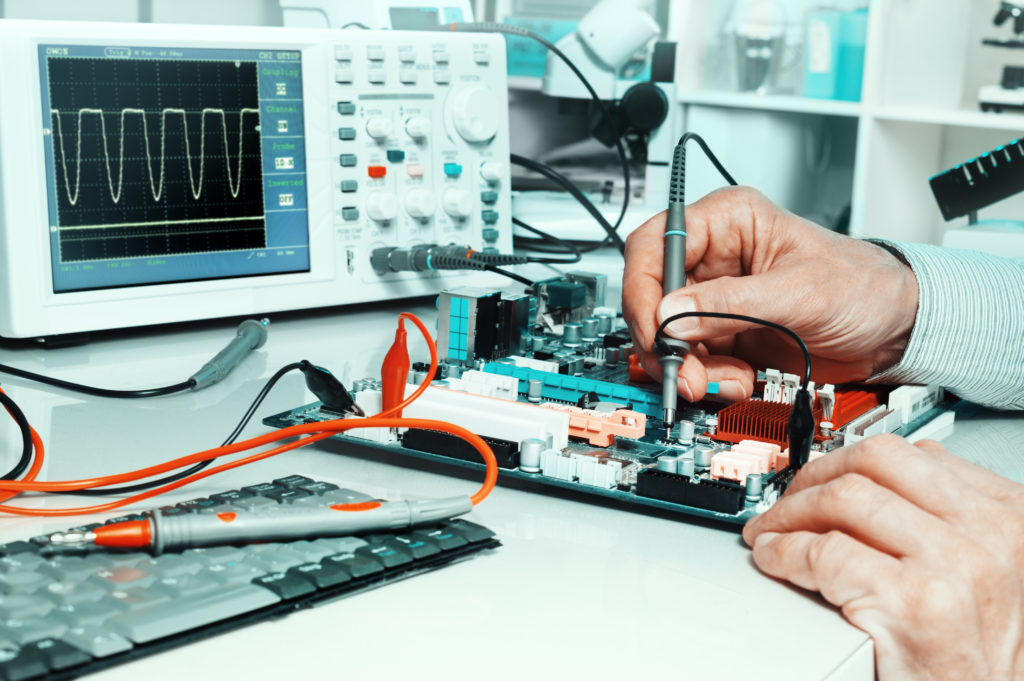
358, 506
377, 171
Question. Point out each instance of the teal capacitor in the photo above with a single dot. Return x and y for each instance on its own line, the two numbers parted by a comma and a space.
853, 37
821, 53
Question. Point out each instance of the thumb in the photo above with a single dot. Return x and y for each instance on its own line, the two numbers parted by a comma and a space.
764, 296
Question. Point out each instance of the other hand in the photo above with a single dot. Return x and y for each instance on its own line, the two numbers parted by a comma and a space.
920, 549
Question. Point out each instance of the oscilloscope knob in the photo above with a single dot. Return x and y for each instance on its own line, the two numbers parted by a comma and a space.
417, 127
474, 113
419, 203
458, 203
378, 127
381, 207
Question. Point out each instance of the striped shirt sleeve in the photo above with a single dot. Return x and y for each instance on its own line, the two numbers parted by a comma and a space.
968, 336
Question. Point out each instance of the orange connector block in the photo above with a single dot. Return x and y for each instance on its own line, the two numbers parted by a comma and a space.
601, 428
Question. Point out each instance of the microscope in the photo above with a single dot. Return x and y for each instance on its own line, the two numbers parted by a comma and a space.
1009, 93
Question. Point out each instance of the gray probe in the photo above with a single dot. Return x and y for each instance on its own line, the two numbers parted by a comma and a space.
674, 278
251, 335
159, 533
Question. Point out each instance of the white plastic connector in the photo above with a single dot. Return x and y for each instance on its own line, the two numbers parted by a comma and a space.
790, 384
827, 396
488, 385
772, 385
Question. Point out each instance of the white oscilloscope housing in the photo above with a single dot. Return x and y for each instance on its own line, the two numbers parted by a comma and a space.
429, 108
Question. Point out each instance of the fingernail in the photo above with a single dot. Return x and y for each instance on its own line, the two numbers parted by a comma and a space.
686, 390
764, 539
733, 391
674, 305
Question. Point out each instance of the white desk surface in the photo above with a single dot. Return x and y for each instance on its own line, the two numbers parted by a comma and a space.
576, 588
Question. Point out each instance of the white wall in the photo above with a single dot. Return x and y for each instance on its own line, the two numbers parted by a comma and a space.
248, 12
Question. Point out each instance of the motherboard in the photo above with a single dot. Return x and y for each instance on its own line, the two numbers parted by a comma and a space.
550, 379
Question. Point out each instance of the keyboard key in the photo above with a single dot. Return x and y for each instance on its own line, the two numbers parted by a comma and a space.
357, 565
23, 582
230, 497
190, 586
318, 488
172, 565
322, 575
471, 531
293, 481
262, 488
22, 562
72, 568
33, 628
252, 503
446, 539
137, 597
345, 496
198, 504
73, 593
419, 547
342, 544
182, 614
287, 585
239, 573
97, 642
287, 496
122, 577
23, 605
21, 665
87, 614
57, 654
279, 560
15, 547
216, 555
387, 551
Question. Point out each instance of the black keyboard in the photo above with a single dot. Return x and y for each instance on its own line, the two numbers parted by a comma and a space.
68, 611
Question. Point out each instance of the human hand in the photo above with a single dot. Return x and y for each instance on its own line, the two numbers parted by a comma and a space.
920, 549
852, 302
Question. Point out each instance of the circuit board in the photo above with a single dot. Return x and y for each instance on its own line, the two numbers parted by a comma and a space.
550, 380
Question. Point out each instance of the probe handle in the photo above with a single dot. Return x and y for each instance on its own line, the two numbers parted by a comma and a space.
297, 522
674, 274
251, 335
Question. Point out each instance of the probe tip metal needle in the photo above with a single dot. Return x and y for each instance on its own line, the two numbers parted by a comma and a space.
72, 538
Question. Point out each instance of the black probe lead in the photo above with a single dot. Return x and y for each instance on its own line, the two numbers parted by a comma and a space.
97, 392
26, 437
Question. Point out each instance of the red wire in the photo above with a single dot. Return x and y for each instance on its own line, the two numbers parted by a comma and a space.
316, 432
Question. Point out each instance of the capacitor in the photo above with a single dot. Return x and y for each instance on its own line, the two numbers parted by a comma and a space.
668, 463
418, 377
549, 441
685, 465
826, 429
626, 350
604, 324
588, 328
611, 357
529, 454
534, 390
686, 429
572, 335
577, 366
712, 424
702, 457
754, 487
537, 343
358, 385
454, 371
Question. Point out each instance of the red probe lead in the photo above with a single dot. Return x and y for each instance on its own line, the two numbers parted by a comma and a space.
394, 372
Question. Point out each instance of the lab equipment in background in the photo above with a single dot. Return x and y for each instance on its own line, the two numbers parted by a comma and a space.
412, 15
265, 191
834, 47
1009, 93
976, 184
756, 31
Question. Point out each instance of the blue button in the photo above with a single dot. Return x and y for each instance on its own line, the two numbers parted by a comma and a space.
346, 133
490, 235
347, 160
350, 213
490, 216
489, 196
452, 169
348, 186
346, 108
396, 155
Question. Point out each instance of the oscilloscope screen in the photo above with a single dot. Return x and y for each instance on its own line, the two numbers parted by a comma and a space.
173, 165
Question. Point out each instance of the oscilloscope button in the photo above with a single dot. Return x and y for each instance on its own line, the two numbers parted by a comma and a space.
378, 127
346, 134
474, 111
381, 207
441, 57
406, 56
492, 171
408, 76
346, 108
481, 57
342, 53
348, 160
419, 203
442, 77
417, 127
376, 171
375, 53
458, 203
344, 76
377, 76
349, 213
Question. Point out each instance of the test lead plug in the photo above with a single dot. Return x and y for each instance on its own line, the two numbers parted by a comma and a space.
394, 372
801, 429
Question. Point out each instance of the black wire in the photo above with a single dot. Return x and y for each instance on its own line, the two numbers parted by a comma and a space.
540, 246
97, 392
576, 193
26, 437
574, 253
508, 273
664, 348
128, 489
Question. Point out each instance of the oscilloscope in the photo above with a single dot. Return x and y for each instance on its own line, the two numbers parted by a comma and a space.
158, 173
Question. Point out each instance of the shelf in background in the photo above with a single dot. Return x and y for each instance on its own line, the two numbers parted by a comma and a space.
530, 83
962, 118
784, 103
